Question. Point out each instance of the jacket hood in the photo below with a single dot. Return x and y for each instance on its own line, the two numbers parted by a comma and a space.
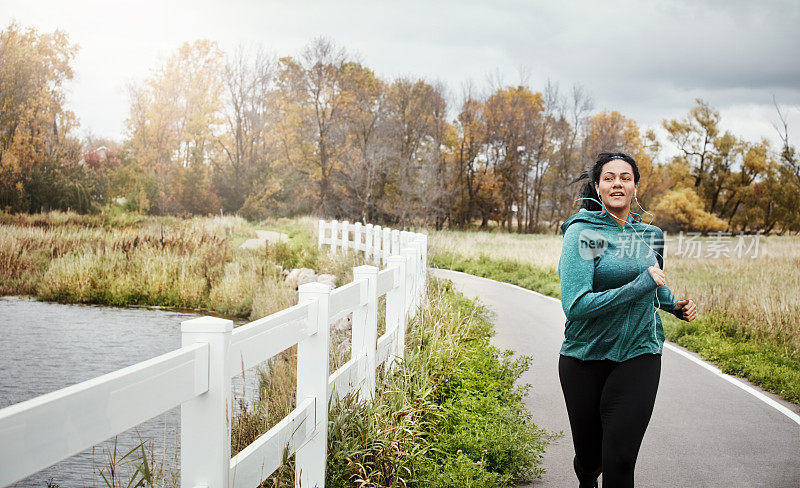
597, 217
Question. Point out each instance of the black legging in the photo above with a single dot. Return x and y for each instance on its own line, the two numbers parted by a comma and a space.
609, 406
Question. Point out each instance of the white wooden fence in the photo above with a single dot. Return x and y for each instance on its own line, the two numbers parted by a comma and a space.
39, 432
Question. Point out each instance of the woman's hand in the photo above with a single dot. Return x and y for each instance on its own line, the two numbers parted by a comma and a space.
658, 275
689, 309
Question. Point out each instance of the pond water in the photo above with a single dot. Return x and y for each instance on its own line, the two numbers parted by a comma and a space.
48, 346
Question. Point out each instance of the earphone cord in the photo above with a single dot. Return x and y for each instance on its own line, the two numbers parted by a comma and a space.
655, 310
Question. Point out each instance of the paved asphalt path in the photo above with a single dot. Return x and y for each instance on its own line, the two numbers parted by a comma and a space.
704, 431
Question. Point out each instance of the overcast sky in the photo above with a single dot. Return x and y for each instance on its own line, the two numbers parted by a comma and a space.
648, 60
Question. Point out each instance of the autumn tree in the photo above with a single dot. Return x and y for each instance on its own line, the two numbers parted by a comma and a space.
513, 118
172, 129
415, 114
694, 136
311, 124
241, 167
739, 181
437, 176
468, 156
611, 131
364, 171
789, 155
682, 210
773, 201
40, 161
569, 115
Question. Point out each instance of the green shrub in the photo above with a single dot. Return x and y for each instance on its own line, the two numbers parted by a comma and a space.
484, 414
462, 472
450, 416
294, 254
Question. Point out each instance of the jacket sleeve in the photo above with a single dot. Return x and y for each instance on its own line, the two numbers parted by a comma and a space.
666, 299
578, 299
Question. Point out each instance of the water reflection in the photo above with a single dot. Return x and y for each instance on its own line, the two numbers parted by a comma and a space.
48, 346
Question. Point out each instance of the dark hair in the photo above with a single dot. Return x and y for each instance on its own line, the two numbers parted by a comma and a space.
593, 175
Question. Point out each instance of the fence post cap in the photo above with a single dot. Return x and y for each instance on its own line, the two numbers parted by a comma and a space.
314, 287
365, 269
207, 324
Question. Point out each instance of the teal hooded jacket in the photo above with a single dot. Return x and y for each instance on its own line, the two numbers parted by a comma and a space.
607, 293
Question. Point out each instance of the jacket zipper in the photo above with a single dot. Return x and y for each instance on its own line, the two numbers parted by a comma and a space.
628, 315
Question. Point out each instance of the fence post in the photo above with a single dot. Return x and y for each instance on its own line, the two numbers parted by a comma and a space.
365, 329
345, 235
396, 307
418, 271
334, 236
359, 245
387, 250
410, 252
395, 242
321, 234
377, 232
205, 419
425, 266
312, 382
422, 268
368, 241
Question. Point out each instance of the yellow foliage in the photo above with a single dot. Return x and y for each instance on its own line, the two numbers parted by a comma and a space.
682, 210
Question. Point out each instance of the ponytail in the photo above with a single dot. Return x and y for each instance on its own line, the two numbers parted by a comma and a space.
587, 191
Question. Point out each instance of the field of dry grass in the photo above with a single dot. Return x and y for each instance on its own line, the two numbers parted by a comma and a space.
759, 292
157, 261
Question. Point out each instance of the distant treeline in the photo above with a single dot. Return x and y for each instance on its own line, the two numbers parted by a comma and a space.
322, 133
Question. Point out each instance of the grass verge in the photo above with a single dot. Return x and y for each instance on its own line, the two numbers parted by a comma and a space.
715, 336
718, 340
544, 281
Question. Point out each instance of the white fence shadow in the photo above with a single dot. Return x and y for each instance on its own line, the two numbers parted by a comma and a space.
42, 431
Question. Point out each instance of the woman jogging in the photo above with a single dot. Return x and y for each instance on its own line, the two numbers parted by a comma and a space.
612, 282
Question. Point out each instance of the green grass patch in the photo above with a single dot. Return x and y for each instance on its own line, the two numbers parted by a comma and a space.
719, 340
300, 250
542, 280
237, 240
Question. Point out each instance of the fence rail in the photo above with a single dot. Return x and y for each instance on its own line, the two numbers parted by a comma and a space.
39, 432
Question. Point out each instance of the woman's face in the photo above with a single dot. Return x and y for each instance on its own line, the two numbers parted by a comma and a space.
616, 187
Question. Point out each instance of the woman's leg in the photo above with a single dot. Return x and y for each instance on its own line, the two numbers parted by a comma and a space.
582, 384
626, 405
